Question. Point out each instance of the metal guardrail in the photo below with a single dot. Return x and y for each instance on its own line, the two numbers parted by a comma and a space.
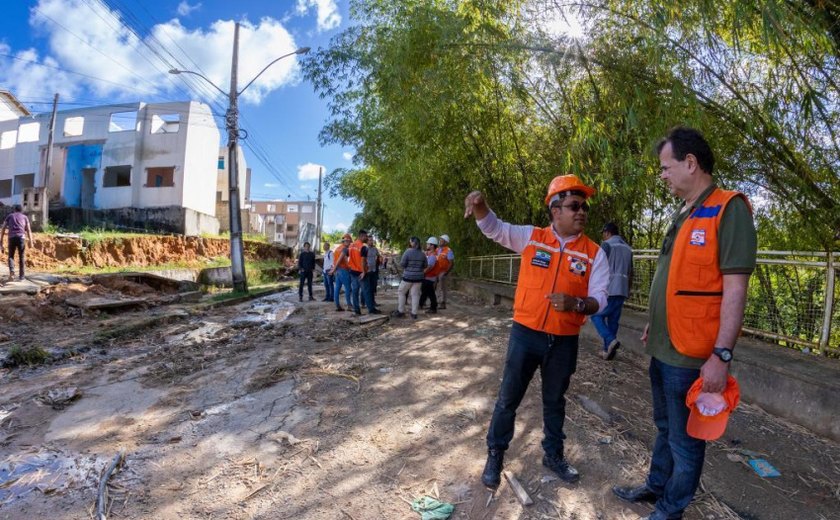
791, 295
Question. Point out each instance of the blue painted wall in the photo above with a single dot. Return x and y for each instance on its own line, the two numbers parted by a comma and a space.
79, 157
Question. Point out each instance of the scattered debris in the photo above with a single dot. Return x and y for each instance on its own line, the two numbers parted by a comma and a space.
102, 497
432, 509
518, 490
59, 398
594, 408
763, 468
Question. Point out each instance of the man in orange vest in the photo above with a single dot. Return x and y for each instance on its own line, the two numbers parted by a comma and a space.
563, 279
697, 299
447, 260
357, 262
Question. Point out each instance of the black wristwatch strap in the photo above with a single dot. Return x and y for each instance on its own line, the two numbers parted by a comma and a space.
725, 354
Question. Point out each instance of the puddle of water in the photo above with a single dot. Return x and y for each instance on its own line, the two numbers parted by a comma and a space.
47, 471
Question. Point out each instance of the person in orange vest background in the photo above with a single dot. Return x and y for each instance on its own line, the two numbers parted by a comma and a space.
447, 260
357, 262
697, 299
563, 279
341, 271
433, 269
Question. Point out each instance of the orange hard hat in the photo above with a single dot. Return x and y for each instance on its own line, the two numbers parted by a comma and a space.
564, 183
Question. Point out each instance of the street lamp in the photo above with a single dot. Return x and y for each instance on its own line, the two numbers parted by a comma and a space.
237, 253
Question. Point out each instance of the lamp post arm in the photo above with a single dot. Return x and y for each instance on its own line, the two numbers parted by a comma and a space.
302, 50
202, 76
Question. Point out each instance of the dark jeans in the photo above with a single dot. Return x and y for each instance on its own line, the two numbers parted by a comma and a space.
428, 292
355, 289
556, 357
342, 277
677, 458
329, 286
305, 276
16, 244
369, 290
606, 321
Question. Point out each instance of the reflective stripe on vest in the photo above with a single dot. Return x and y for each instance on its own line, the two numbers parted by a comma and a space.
355, 261
546, 268
695, 284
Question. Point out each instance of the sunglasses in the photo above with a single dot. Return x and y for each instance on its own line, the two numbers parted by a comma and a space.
574, 206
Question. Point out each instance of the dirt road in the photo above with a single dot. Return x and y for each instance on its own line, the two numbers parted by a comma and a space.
238, 413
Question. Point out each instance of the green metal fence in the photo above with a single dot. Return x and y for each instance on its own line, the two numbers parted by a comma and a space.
791, 298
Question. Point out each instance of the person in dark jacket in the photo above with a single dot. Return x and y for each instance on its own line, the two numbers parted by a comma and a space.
413, 263
306, 266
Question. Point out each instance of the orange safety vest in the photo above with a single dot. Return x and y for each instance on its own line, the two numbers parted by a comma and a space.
356, 256
547, 268
443, 259
337, 255
435, 270
695, 284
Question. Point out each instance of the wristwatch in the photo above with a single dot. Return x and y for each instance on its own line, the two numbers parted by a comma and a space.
580, 306
725, 354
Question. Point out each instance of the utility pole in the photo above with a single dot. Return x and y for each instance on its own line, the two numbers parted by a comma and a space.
45, 203
237, 253
319, 218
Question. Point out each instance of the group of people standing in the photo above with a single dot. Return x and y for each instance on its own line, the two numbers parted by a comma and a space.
353, 265
424, 274
697, 300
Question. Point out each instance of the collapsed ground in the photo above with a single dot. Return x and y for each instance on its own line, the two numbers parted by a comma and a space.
276, 409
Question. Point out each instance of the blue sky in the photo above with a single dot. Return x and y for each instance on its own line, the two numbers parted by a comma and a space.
104, 51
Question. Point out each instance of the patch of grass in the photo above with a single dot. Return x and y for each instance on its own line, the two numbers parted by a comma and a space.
29, 356
254, 290
249, 237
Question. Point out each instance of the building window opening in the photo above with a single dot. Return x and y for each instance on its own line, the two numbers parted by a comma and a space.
5, 188
7, 139
74, 126
160, 177
292, 208
23, 181
28, 132
165, 123
116, 177
123, 122
221, 165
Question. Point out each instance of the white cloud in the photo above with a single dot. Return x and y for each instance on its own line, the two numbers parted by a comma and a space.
271, 185
113, 62
184, 8
348, 156
309, 171
328, 17
341, 226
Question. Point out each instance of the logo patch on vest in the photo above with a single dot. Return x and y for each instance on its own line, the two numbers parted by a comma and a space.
542, 258
577, 266
698, 237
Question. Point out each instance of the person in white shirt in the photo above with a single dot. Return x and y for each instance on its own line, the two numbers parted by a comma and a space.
329, 280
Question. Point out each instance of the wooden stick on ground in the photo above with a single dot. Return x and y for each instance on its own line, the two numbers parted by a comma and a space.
518, 490
101, 498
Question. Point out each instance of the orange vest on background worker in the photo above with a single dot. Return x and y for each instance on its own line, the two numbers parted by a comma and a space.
436, 269
337, 254
443, 259
356, 263
547, 268
695, 283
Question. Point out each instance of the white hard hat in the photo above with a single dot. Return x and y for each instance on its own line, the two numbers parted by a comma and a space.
445, 238
432, 240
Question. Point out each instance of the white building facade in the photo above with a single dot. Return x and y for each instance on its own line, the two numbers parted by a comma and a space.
142, 163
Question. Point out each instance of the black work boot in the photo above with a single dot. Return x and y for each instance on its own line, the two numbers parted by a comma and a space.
636, 494
492, 475
561, 466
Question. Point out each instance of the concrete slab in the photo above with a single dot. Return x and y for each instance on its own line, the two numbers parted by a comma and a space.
20, 287
105, 303
365, 319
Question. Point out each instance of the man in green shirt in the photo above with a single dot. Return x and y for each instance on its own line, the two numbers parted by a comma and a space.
720, 228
